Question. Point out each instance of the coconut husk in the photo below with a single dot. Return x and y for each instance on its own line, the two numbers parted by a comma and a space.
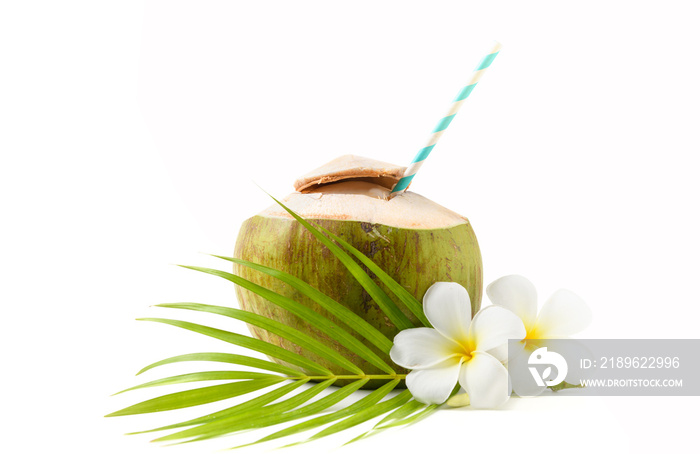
351, 167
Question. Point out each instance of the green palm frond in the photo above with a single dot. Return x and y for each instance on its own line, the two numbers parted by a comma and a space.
300, 388
354, 321
229, 358
335, 332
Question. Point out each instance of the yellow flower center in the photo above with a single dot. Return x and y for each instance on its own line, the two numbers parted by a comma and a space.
466, 356
532, 332
465, 349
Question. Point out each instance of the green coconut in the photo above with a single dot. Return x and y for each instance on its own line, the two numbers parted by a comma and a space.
414, 240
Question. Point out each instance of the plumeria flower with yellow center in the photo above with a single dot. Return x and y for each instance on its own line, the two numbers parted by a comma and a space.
458, 349
562, 315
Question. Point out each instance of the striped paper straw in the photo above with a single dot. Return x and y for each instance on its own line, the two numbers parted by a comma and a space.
424, 152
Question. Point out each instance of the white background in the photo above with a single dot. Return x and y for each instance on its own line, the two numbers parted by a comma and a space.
132, 135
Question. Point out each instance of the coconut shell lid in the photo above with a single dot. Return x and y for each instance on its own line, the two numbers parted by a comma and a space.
351, 167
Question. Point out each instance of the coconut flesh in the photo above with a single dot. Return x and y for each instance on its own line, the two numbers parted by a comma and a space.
414, 240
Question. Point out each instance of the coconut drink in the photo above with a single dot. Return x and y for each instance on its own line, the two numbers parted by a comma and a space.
414, 240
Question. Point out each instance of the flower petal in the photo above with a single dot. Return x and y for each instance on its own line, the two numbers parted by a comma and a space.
516, 294
420, 348
562, 315
493, 326
504, 352
486, 381
434, 385
449, 310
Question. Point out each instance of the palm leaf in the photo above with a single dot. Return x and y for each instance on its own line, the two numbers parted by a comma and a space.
281, 403
408, 413
309, 410
223, 426
229, 358
246, 342
252, 404
426, 411
354, 321
291, 334
202, 376
198, 396
401, 412
362, 404
365, 415
322, 323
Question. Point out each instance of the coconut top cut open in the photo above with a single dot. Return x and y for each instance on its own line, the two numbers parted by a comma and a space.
351, 167
354, 188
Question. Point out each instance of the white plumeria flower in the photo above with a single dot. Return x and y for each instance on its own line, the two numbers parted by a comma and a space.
455, 350
562, 315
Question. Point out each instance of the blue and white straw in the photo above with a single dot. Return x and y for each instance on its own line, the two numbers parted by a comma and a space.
424, 152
